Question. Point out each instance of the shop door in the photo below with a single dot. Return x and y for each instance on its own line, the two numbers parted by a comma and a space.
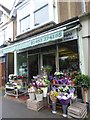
32, 66
2, 72
49, 59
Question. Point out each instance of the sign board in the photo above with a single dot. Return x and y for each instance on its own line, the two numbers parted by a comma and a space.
70, 35
40, 39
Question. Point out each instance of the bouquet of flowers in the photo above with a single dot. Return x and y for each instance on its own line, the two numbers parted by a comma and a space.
53, 95
12, 77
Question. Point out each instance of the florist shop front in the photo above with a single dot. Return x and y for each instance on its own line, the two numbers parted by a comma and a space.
56, 48
54, 45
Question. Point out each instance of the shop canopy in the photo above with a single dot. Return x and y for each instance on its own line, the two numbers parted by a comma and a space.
30, 42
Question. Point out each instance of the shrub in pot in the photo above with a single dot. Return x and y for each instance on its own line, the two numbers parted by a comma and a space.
83, 81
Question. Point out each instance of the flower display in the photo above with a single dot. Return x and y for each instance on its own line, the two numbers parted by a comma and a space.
39, 91
41, 80
12, 77
57, 73
46, 69
32, 89
53, 95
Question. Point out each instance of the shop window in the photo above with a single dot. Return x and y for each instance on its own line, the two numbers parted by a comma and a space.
41, 15
68, 57
25, 23
22, 64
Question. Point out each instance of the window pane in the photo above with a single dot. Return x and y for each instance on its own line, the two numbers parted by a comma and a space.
41, 15
39, 3
25, 24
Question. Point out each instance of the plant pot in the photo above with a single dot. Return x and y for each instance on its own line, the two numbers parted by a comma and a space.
85, 95
44, 91
87, 105
39, 97
32, 96
54, 108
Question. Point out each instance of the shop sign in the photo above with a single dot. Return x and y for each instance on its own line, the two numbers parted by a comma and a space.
40, 39
70, 35
46, 38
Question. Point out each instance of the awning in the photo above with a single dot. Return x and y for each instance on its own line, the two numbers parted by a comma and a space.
33, 41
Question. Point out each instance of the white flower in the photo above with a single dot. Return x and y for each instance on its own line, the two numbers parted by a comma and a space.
57, 73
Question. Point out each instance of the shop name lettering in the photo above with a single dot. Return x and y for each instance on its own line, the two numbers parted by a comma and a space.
46, 38
70, 35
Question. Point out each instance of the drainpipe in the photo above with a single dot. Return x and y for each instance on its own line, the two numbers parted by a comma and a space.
83, 7
6, 60
57, 58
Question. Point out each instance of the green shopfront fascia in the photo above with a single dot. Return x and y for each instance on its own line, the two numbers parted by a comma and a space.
55, 48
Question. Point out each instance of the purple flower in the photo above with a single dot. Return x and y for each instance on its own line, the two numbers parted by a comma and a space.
50, 77
72, 90
53, 88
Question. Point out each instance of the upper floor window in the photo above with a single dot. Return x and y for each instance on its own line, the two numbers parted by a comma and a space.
25, 24
41, 15
3, 36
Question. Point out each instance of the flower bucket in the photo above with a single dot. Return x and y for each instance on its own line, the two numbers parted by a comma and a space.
53, 98
54, 108
39, 97
65, 102
32, 96
64, 108
44, 91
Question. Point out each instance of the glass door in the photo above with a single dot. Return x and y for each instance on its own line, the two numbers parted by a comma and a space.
32, 65
49, 59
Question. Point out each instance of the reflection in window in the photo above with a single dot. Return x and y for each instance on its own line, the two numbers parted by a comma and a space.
22, 64
25, 23
41, 15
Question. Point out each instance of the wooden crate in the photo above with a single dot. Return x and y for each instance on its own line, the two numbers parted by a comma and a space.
77, 110
34, 104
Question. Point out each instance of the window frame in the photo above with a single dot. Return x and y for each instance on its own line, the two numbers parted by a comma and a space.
46, 5
21, 31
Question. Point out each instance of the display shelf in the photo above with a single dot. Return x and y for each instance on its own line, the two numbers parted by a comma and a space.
15, 92
16, 88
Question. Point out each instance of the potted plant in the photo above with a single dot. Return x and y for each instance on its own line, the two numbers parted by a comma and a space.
53, 97
83, 81
39, 94
46, 70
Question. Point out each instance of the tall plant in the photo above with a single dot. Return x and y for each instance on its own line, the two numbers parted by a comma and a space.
82, 80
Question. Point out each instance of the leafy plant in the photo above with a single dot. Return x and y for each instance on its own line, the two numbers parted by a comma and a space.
82, 80
46, 69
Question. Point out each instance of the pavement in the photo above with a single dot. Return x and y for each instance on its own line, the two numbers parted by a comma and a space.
15, 109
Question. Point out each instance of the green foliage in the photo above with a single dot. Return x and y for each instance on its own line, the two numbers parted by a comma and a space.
82, 80
46, 69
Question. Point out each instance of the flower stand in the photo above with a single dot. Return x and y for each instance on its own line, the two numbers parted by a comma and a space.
64, 108
64, 103
34, 104
54, 100
54, 107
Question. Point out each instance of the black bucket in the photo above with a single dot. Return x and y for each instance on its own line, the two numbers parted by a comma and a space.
87, 105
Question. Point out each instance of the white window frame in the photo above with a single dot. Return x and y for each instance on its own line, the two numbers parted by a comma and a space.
39, 10
26, 29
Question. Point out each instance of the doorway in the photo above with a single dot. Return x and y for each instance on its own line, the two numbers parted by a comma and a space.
49, 59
